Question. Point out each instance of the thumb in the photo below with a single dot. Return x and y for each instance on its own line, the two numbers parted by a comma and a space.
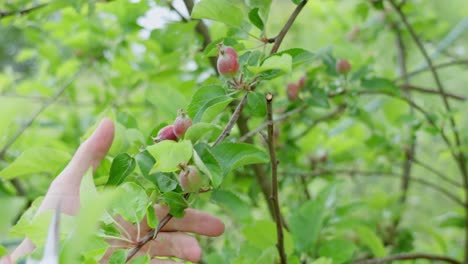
89, 154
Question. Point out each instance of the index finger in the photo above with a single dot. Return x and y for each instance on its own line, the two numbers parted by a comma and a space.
194, 221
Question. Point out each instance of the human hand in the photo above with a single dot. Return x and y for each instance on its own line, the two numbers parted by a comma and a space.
173, 241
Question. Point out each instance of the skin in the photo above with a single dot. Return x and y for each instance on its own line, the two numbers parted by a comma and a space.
174, 241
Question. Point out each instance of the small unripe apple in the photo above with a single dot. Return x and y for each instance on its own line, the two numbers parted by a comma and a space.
292, 91
181, 124
343, 66
228, 61
166, 133
190, 179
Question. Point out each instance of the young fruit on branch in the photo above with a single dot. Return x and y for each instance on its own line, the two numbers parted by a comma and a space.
292, 90
343, 66
166, 133
228, 61
190, 179
181, 124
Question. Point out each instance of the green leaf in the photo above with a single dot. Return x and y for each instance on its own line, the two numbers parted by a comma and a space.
371, 240
165, 182
337, 249
299, 56
380, 84
145, 259
35, 161
131, 202
145, 162
306, 224
255, 18
262, 5
3, 251
85, 228
177, 204
234, 155
318, 98
118, 257
207, 163
121, 167
169, 154
256, 104
232, 203
37, 227
199, 131
219, 10
151, 217
276, 62
207, 103
262, 235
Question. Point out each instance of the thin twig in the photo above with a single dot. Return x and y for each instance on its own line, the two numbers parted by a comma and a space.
410, 256
409, 151
202, 29
417, 107
440, 87
232, 121
148, 237
274, 180
152, 234
22, 11
30, 121
458, 155
353, 172
287, 26
437, 66
438, 173
337, 111
276, 120
431, 91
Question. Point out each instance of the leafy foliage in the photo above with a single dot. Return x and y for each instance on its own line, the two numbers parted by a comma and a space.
371, 161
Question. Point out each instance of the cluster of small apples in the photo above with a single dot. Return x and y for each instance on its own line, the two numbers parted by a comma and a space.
293, 89
189, 177
176, 130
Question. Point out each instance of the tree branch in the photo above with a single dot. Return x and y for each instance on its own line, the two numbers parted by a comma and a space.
340, 109
352, 172
438, 173
30, 121
279, 119
202, 29
409, 151
22, 11
437, 66
409, 257
458, 155
233, 120
430, 91
279, 39
151, 235
274, 180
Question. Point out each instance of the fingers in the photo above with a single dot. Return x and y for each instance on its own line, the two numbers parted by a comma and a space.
194, 221
7, 260
174, 244
91, 152
65, 188
164, 261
